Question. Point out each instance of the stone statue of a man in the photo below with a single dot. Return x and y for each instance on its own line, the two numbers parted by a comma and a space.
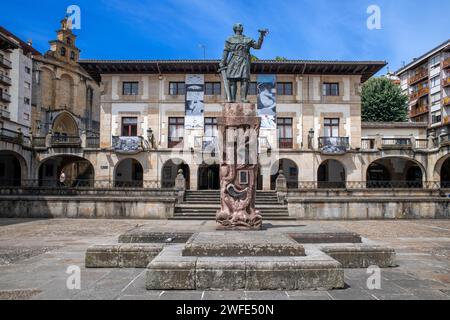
235, 64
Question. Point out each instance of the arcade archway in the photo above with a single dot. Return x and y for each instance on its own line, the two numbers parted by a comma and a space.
170, 171
290, 171
129, 173
12, 169
445, 174
78, 172
209, 177
394, 172
331, 175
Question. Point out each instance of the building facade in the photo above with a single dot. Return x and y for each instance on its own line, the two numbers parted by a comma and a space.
426, 81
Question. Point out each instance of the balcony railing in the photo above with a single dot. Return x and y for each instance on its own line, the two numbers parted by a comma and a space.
92, 142
418, 111
5, 63
395, 143
286, 143
128, 144
421, 144
446, 101
422, 92
446, 63
11, 136
5, 114
175, 142
5, 80
446, 81
444, 139
334, 145
368, 144
66, 141
420, 74
39, 142
5, 97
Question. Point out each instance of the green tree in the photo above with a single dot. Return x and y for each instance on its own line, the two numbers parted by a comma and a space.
383, 101
253, 58
278, 58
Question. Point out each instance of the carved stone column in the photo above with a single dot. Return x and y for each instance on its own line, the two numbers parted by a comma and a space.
238, 151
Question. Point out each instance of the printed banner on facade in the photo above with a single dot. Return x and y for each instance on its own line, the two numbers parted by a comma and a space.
127, 144
267, 101
195, 86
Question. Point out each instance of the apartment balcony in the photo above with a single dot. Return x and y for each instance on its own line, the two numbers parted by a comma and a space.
5, 114
419, 94
285, 143
129, 145
446, 101
446, 81
396, 143
5, 97
5, 63
334, 145
420, 75
62, 141
446, 63
5, 80
415, 112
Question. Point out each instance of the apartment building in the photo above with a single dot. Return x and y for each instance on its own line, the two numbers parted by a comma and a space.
426, 81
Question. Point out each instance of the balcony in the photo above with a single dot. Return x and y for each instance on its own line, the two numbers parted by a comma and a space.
175, 142
5, 114
62, 141
446, 63
4, 97
334, 145
421, 144
416, 95
444, 139
39, 142
396, 143
11, 136
420, 75
5, 63
446, 101
446, 81
5, 80
129, 145
285, 143
418, 111
368, 144
93, 142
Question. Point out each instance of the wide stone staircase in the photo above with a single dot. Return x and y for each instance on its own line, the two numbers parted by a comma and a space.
203, 205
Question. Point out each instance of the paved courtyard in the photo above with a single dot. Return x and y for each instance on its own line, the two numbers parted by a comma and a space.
35, 254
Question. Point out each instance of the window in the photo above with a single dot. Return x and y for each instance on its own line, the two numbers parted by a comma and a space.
435, 81
27, 70
63, 52
69, 41
131, 88
330, 89
129, 126
211, 129
26, 100
72, 55
27, 85
436, 117
252, 89
285, 135
213, 88
435, 61
26, 116
177, 88
284, 88
436, 98
331, 126
176, 132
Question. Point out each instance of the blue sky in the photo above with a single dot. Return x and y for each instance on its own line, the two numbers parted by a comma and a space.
175, 29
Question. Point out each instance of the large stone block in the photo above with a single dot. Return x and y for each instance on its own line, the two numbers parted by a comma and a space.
362, 256
271, 274
102, 256
220, 274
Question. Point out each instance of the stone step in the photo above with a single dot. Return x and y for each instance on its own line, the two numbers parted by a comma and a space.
213, 217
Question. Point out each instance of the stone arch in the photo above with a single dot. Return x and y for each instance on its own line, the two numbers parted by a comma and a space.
170, 170
65, 124
79, 171
398, 172
13, 168
290, 171
129, 173
332, 174
66, 92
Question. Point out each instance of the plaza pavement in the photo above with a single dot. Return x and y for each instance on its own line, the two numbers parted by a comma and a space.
35, 254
